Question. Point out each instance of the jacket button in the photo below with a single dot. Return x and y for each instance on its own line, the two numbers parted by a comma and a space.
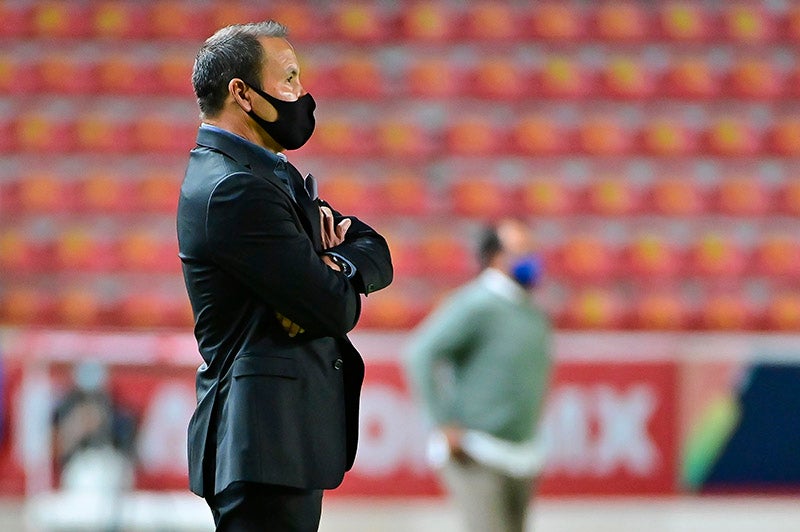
337, 364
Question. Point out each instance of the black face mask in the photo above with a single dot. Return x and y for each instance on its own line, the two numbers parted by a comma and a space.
295, 122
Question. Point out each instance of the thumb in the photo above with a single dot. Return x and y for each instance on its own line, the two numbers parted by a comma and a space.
343, 226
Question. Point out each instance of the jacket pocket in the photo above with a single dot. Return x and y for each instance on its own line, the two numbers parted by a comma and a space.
265, 366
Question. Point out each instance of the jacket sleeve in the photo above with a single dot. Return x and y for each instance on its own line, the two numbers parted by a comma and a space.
368, 251
252, 234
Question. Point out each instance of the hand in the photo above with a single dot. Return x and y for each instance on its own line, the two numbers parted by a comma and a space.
332, 235
291, 328
329, 262
455, 436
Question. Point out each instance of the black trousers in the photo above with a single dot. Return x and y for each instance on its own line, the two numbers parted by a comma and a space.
253, 507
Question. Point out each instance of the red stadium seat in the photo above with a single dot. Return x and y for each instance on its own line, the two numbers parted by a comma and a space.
790, 197
754, 78
691, 78
677, 197
792, 24
668, 137
100, 133
612, 196
434, 77
78, 307
43, 192
429, 21
19, 253
595, 308
732, 136
604, 135
359, 76
156, 132
17, 19
783, 312
444, 256
349, 193
404, 138
157, 190
41, 131
360, 22
587, 258
474, 135
8, 140
399, 309
143, 309
784, 137
564, 77
621, 21
684, 22
726, 311
103, 192
67, 74
491, 21
717, 256
663, 310
305, 21
340, 136
406, 193
318, 78
557, 21
77, 249
743, 196
748, 23
18, 75
174, 73
652, 256
60, 19
536, 134
119, 20
480, 197
26, 305
548, 197
500, 78
146, 251
127, 75
223, 14
778, 256
627, 78
176, 20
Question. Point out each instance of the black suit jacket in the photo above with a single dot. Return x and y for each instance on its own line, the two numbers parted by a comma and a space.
271, 408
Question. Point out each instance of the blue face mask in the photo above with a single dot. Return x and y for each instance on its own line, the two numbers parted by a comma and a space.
527, 271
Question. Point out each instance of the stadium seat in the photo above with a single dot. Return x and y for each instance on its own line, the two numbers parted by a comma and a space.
180, 21
100, 191
626, 78
587, 258
406, 192
155, 132
474, 135
621, 21
25, 305
67, 74
18, 253
19, 74
743, 196
51, 19
537, 134
677, 196
78, 249
557, 21
17, 19
319, 78
783, 312
792, 24
652, 256
429, 21
118, 20
42, 191
142, 309
747, 23
612, 196
717, 255
359, 76
174, 73
684, 22
563, 77
78, 307
691, 78
444, 256
125, 75
146, 251
547, 197
604, 136
397, 137
778, 256
498, 78
493, 21
434, 77
359, 22
157, 190
663, 310
754, 78
727, 311
480, 197
668, 137
223, 14
732, 136
790, 197
399, 309
306, 21
98, 132
8, 140
41, 131
340, 135
784, 137
595, 308
349, 193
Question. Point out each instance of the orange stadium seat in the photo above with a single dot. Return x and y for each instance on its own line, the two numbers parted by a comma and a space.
429, 21
547, 197
60, 19
595, 308
67, 74
41, 131
677, 196
748, 23
612, 196
604, 135
662, 310
790, 197
481, 197
732, 136
727, 311
43, 191
627, 78
19, 253
563, 77
445, 256
783, 312
792, 24
784, 136
399, 137
406, 254
499, 78
474, 135
100, 133
223, 14
157, 190
684, 22
101, 191
78, 307
792, 88
143, 309
174, 73
78, 249
621, 21
305, 21
146, 251
349, 193
359, 76
434, 77
743, 196
587, 258
18, 75
754, 78
651, 255
691, 78
359, 22
118, 20
778, 255
536, 134
556, 21
124, 74
399, 309
406, 192
177, 20
668, 137
318, 78
491, 21
717, 255
340, 135
156, 132
26, 305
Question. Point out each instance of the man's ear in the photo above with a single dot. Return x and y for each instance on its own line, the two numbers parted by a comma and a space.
241, 94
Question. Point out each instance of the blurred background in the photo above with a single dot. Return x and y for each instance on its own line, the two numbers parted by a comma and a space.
654, 148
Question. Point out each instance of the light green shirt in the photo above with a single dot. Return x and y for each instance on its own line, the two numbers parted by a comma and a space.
482, 359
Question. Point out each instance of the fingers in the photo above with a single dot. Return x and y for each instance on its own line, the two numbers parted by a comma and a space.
332, 236
291, 328
341, 229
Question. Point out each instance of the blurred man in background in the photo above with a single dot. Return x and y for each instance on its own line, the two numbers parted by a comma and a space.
480, 365
274, 276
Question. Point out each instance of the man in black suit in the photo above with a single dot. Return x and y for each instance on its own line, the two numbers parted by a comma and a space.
274, 275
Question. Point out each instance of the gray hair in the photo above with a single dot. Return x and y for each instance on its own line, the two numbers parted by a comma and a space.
232, 52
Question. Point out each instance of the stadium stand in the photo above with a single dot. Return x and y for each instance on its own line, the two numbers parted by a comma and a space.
653, 146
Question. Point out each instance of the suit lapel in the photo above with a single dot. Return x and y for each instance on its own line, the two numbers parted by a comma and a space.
309, 207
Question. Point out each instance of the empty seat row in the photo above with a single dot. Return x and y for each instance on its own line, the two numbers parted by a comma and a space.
441, 20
